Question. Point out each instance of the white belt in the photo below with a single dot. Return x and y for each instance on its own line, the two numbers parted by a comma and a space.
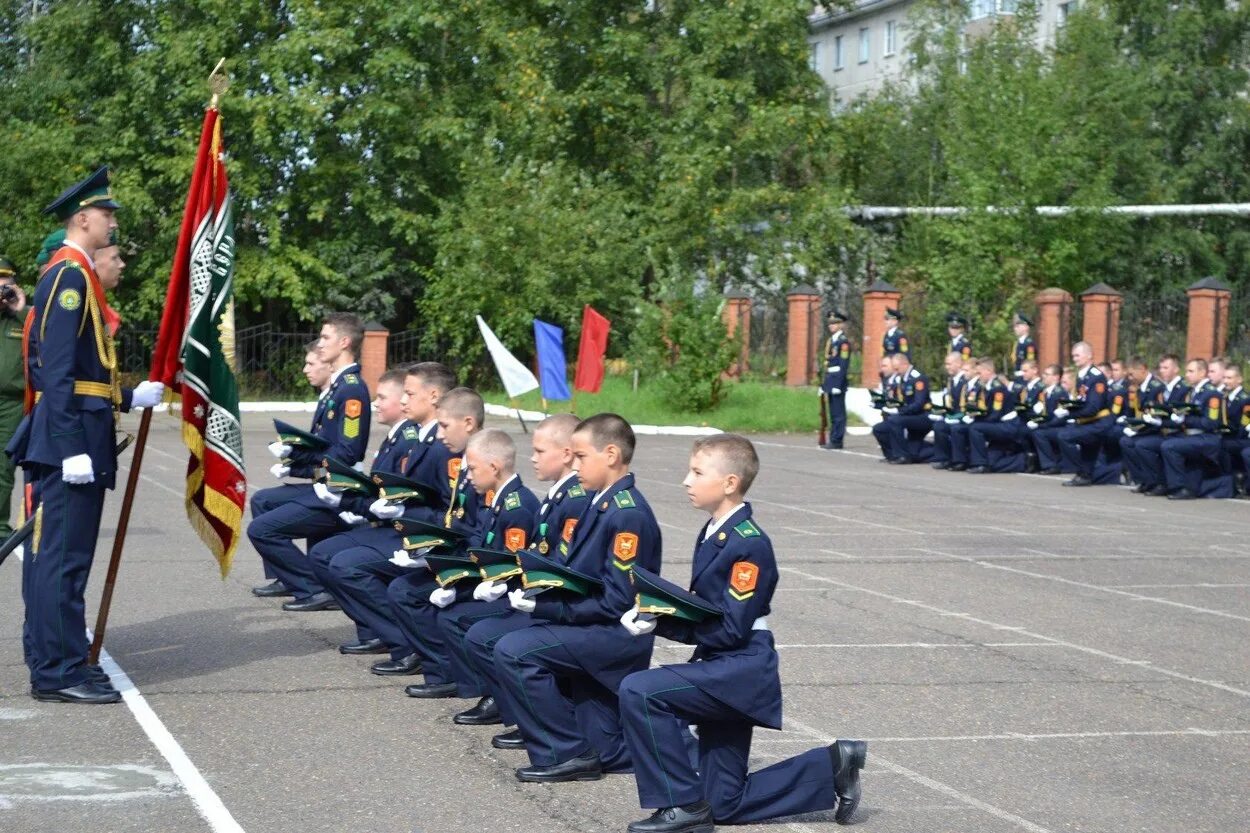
760, 624
833, 368
1193, 432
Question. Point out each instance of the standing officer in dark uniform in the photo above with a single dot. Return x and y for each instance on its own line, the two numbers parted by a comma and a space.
957, 329
837, 365
12, 379
67, 446
1026, 348
894, 340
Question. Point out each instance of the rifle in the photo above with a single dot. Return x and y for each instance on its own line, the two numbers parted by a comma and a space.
880, 400
824, 418
23, 532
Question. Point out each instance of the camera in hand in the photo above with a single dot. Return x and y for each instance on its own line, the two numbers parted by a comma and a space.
8, 294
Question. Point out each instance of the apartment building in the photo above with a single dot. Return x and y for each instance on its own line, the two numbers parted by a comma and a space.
859, 49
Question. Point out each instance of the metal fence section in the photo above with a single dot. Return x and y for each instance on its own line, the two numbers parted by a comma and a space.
269, 363
767, 344
1238, 348
1152, 326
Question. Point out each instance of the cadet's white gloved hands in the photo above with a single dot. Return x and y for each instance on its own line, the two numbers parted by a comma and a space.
967, 420
1061, 413
835, 391
279, 471
1039, 408
890, 411
1179, 419
381, 509
279, 450
401, 558
1032, 425
147, 395
489, 591
630, 620
19, 552
329, 498
518, 601
1248, 430
351, 518
935, 417
1151, 419
1121, 419
1129, 432
442, 597
1009, 416
77, 470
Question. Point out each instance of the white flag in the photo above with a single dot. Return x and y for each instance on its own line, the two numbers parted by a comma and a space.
517, 378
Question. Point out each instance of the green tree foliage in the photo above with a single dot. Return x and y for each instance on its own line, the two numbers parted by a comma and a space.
422, 162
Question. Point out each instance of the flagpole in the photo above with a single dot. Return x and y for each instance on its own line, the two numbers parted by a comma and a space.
119, 538
516, 407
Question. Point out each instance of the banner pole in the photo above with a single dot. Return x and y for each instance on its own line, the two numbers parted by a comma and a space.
119, 538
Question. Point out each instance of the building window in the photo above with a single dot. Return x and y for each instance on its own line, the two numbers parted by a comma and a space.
814, 59
891, 37
863, 45
839, 57
1066, 10
979, 9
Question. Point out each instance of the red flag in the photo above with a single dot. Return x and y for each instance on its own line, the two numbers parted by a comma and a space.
194, 352
590, 350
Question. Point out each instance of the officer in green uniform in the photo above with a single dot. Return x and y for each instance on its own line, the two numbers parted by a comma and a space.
12, 381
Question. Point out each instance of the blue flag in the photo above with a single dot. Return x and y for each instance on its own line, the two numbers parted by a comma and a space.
549, 341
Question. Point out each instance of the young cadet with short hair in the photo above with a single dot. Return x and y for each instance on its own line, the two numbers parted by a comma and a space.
460, 414
552, 533
342, 419
730, 685
355, 565
576, 645
491, 459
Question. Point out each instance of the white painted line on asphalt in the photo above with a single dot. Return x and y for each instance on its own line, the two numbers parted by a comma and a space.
1007, 736
1137, 597
1203, 585
206, 801
926, 781
677, 646
1085, 649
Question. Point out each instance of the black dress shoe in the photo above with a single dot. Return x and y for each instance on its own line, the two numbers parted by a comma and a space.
431, 691
978, 470
88, 693
693, 818
1051, 471
401, 667
485, 713
940, 465
367, 646
584, 768
508, 740
273, 588
1157, 491
848, 760
1079, 480
957, 467
1183, 494
894, 461
1141, 489
317, 601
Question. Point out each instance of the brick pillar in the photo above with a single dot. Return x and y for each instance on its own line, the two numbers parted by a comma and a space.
373, 354
1100, 320
1208, 318
876, 298
803, 324
737, 316
1051, 333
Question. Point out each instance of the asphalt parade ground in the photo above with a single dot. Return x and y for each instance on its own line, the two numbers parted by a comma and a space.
1020, 656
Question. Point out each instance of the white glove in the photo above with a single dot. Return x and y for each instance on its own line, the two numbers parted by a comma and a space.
1009, 416
442, 597
279, 450
1151, 419
1061, 413
381, 509
402, 559
1032, 425
935, 417
630, 620
835, 391
1248, 430
329, 498
19, 552
967, 420
890, 411
1179, 419
351, 518
489, 591
279, 470
147, 395
1039, 408
820, 391
1121, 420
1129, 432
518, 601
77, 469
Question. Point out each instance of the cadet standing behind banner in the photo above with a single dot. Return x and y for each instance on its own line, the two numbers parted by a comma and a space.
67, 446
12, 380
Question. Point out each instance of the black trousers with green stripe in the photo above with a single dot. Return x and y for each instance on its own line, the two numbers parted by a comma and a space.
54, 578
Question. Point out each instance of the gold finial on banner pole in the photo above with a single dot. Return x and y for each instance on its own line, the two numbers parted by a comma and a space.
218, 81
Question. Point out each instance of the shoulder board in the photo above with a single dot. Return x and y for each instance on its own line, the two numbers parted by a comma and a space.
351, 378
576, 490
748, 529
624, 500
512, 501
411, 433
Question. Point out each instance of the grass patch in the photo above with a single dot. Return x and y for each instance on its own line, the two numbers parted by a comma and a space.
750, 407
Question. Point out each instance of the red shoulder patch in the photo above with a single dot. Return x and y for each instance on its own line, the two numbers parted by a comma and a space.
744, 576
625, 546
352, 408
514, 538
453, 468
566, 534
